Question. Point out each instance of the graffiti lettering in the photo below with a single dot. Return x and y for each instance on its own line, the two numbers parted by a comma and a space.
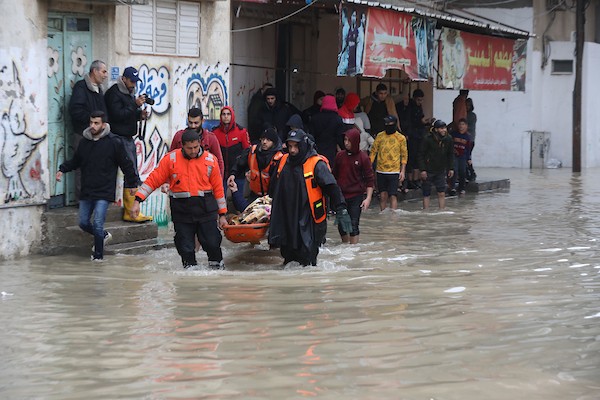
154, 83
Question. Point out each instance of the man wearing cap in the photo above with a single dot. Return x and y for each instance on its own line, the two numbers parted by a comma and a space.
124, 112
390, 151
436, 162
298, 214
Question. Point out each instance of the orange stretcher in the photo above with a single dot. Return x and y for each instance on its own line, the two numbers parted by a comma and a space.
246, 233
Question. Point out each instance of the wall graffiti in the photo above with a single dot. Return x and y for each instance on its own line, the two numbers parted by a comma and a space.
205, 87
154, 83
175, 89
20, 162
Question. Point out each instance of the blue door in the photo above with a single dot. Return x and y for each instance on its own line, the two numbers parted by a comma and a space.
69, 57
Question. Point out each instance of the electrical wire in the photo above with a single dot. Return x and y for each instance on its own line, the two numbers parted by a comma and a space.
275, 21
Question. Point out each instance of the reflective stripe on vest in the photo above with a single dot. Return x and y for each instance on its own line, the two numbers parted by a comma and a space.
259, 180
316, 200
184, 195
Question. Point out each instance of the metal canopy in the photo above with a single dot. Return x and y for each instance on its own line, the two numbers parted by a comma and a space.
452, 21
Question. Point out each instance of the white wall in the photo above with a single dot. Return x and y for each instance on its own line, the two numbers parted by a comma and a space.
590, 137
24, 128
503, 117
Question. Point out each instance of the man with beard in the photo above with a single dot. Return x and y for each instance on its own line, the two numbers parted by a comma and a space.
208, 140
260, 162
298, 214
276, 113
196, 198
436, 162
98, 156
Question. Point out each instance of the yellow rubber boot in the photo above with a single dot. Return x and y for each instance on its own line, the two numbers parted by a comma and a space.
128, 200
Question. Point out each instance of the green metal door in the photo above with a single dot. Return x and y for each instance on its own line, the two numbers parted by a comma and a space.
69, 57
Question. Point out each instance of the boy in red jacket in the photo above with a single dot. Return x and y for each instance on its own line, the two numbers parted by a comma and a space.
354, 174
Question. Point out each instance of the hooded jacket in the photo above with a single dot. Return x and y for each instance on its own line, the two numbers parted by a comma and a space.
233, 139
123, 112
352, 168
86, 98
390, 151
436, 154
308, 113
263, 158
276, 116
99, 158
346, 111
328, 129
292, 223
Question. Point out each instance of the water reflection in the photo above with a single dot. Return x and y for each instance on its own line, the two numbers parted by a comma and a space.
495, 298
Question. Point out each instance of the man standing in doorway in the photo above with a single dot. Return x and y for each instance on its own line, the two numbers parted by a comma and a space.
124, 112
86, 98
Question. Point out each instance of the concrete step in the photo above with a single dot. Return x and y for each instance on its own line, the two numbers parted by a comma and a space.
61, 232
69, 216
473, 187
139, 247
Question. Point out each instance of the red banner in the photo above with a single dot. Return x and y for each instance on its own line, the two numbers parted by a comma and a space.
390, 43
480, 62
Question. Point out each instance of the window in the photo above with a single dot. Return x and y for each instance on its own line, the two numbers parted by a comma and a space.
166, 27
562, 67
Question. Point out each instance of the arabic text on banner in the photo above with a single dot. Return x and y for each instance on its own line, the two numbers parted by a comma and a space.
472, 61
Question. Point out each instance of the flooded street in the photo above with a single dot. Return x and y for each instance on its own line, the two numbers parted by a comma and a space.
498, 297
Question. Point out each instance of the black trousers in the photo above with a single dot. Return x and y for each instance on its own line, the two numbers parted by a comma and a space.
208, 234
305, 256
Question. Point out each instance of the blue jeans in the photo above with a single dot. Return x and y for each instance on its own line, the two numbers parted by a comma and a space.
95, 227
460, 172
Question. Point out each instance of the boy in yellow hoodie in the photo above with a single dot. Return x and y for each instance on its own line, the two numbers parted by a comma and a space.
390, 151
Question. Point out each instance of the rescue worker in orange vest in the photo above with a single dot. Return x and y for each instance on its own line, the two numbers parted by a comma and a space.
298, 214
260, 162
196, 191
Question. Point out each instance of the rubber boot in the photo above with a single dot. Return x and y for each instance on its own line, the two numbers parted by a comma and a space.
128, 200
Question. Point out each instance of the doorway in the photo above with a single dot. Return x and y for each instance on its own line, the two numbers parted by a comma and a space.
69, 56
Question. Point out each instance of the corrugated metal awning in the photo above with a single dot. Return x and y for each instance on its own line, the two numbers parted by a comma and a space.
452, 21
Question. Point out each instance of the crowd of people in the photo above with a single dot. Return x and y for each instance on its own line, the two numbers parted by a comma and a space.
332, 158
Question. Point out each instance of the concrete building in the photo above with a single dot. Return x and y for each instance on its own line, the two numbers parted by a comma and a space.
181, 49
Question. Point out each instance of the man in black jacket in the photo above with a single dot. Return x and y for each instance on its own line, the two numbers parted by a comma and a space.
436, 162
87, 96
98, 155
124, 112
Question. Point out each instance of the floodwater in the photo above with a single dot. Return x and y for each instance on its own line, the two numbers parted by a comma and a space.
496, 298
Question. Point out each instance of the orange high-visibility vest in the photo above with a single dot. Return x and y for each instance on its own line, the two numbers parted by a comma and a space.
259, 180
187, 178
316, 200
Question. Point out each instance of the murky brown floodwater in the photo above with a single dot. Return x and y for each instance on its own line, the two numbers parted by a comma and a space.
498, 298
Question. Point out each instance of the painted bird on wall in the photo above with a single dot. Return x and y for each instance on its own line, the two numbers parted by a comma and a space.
16, 142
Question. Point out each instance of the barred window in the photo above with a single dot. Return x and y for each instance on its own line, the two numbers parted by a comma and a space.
166, 27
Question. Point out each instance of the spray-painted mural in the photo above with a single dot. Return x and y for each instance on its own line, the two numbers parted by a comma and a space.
174, 93
22, 130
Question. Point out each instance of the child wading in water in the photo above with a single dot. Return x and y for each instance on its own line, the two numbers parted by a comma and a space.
354, 174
